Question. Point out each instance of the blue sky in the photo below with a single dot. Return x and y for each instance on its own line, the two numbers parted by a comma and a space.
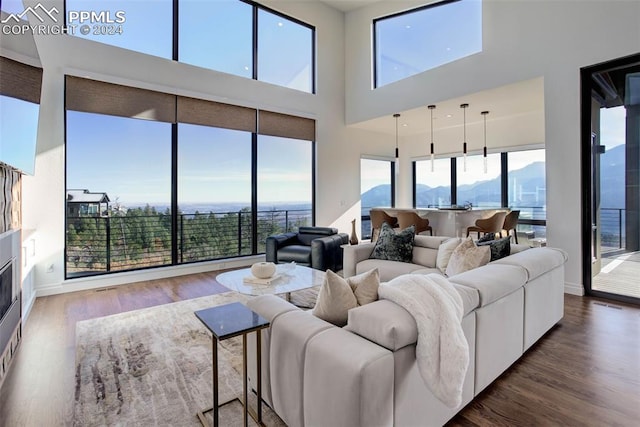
130, 159
18, 132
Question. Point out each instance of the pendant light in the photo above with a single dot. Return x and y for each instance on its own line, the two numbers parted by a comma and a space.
431, 108
464, 140
397, 116
484, 150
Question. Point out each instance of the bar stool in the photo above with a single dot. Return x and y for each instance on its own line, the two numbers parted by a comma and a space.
407, 219
510, 223
492, 224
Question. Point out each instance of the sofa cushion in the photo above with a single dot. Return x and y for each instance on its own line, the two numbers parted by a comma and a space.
467, 256
493, 281
427, 270
445, 250
295, 253
337, 295
536, 261
385, 323
500, 248
394, 246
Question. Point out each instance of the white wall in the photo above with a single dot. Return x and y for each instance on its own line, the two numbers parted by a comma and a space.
521, 40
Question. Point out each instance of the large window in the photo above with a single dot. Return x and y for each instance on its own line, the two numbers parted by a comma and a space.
214, 192
411, 42
528, 190
432, 189
481, 189
142, 26
232, 36
376, 189
217, 35
285, 185
157, 179
18, 133
285, 52
128, 161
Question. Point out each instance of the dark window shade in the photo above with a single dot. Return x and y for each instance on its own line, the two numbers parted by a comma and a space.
92, 96
284, 125
209, 113
19, 80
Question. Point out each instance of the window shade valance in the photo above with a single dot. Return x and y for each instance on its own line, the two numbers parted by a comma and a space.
284, 125
209, 113
93, 96
19, 80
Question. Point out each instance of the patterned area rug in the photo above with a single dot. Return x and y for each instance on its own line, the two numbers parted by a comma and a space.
153, 367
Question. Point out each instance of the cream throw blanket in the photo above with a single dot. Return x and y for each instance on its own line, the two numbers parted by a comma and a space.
442, 351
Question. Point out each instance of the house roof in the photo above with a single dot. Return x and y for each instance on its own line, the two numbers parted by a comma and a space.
86, 196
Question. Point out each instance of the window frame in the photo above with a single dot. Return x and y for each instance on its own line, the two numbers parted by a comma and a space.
254, 28
375, 84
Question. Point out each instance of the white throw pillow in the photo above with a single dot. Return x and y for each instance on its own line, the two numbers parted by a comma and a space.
467, 256
337, 295
445, 250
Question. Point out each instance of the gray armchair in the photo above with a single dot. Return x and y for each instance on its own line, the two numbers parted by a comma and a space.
315, 247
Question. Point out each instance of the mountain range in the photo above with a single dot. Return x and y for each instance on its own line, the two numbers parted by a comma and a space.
528, 182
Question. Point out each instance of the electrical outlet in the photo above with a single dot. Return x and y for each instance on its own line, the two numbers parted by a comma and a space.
50, 268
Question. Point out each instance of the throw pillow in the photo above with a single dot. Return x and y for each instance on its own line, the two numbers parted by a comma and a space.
394, 246
499, 248
467, 256
444, 253
337, 295
487, 238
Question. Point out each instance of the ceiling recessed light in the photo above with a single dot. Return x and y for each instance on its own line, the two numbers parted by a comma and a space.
246, 68
280, 24
404, 125
448, 49
449, 115
407, 27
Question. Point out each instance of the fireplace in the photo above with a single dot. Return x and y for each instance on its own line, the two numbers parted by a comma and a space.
10, 303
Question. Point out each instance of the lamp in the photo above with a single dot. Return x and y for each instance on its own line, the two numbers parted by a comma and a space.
484, 150
396, 115
431, 108
464, 130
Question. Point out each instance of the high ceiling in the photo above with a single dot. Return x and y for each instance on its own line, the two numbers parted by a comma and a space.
348, 5
510, 101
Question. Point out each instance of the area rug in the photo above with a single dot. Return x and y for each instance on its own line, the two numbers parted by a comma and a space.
153, 367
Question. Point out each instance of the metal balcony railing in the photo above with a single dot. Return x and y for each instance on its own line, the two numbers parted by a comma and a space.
612, 228
117, 243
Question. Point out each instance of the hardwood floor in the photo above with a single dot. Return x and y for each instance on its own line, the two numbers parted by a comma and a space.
585, 371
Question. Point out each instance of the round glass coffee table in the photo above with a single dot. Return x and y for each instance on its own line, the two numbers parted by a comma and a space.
289, 278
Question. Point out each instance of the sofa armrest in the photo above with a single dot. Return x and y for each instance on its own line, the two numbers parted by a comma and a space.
326, 252
276, 242
353, 255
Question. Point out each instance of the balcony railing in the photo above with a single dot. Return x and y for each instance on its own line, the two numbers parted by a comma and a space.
117, 243
612, 228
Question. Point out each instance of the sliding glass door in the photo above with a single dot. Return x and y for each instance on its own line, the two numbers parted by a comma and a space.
611, 178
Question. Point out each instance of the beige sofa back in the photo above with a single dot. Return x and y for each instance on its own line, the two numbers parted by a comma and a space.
425, 250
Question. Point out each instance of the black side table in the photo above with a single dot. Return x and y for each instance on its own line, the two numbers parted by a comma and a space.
228, 321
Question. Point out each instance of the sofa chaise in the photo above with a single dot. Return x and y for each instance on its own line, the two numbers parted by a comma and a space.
366, 374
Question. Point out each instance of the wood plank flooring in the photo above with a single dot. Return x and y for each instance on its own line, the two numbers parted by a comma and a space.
585, 371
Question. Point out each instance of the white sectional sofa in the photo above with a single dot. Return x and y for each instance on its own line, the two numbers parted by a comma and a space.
366, 374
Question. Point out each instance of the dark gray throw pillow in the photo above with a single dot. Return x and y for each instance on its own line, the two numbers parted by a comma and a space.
499, 248
394, 246
488, 237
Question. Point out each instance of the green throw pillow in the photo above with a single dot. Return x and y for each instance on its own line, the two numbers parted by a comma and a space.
394, 246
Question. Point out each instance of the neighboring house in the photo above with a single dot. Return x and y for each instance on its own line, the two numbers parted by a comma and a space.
86, 203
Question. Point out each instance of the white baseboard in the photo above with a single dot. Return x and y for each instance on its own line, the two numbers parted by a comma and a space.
573, 289
127, 277
26, 308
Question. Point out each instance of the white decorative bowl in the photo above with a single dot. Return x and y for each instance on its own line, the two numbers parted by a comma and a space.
263, 270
